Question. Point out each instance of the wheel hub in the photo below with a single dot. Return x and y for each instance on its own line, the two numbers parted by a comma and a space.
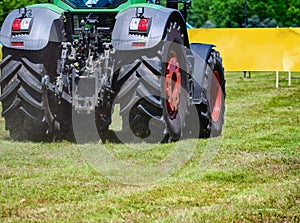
173, 85
217, 96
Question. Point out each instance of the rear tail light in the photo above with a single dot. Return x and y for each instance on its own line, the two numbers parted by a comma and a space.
143, 25
21, 25
16, 26
139, 25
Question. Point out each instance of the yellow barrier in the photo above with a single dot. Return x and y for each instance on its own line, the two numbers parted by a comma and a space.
254, 49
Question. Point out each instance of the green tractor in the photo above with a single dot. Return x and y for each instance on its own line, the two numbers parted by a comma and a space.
67, 63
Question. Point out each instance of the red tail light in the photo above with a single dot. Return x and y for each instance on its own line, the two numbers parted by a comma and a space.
21, 25
16, 26
143, 25
139, 25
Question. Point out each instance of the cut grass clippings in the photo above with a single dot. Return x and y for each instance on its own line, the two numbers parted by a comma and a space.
253, 177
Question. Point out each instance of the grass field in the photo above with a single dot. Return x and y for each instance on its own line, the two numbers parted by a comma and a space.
254, 177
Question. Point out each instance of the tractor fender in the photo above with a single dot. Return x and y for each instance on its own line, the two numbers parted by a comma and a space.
122, 39
202, 76
46, 26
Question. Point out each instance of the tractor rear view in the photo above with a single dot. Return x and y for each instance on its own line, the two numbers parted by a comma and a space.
66, 64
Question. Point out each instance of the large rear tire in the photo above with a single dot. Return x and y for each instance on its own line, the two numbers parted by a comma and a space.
148, 86
22, 95
217, 93
210, 112
198, 113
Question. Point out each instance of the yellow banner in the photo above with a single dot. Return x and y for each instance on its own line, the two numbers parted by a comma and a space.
253, 49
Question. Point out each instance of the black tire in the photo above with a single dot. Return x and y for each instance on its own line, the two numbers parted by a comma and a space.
198, 113
210, 112
205, 121
139, 99
22, 95
142, 96
216, 94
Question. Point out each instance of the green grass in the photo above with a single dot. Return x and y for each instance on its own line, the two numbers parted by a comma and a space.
254, 177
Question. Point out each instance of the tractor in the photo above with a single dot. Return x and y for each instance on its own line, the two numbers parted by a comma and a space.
68, 63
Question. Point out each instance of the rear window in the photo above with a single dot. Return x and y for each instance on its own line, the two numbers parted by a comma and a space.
95, 3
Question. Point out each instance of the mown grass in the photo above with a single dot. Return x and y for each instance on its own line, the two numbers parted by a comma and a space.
254, 177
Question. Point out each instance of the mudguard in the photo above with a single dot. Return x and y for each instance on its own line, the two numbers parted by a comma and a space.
123, 40
201, 53
46, 27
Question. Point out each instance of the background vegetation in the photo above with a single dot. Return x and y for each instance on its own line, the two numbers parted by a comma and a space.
7, 6
253, 178
218, 13
231, 13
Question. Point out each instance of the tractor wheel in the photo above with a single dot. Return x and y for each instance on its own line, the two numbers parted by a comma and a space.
217, 94
198, 113
22, 98
210, 112
152, 95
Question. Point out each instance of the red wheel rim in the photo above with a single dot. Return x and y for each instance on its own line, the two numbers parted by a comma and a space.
216, 97
172, 85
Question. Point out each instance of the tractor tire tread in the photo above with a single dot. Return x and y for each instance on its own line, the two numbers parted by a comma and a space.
21, 97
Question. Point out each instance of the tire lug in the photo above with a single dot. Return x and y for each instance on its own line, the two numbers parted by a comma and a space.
175, 25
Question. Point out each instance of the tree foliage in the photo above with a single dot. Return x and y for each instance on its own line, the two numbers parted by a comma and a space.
6, 6
231, 13
217, 13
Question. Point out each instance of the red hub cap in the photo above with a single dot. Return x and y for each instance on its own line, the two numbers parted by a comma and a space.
172, 85
216, 97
